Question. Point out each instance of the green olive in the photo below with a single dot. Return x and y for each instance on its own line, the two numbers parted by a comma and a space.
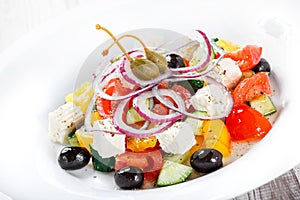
144, 69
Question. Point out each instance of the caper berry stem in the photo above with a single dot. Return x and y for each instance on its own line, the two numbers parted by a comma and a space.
98, 27
105, 52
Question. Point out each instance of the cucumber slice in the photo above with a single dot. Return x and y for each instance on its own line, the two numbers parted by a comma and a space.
263, 104
73, 139
132, 116
173, 173
178, 158
102, 164
196, 124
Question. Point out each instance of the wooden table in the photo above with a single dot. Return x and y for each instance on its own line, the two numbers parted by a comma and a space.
17, 17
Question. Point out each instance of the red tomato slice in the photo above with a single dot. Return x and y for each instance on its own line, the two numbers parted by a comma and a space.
160, 109
246, 57
163, 85
114, 87
184, 93
247, 124
150, 161
251, 87
104, 106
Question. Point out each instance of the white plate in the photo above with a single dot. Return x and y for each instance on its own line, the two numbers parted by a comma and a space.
38, 71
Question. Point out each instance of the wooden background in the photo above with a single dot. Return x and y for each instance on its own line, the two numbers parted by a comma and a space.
18, 17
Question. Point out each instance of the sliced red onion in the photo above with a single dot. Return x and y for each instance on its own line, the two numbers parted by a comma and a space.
147, 123
130, 77
182, 109
202, 64
120, 125
196, 74
100, 82
140, 106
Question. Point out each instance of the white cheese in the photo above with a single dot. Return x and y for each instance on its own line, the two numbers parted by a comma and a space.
107, 144
227, 72
178, 139
63, 121
210, 99
106, 124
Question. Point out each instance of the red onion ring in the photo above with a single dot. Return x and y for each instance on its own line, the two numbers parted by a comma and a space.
139, 104
202, 64
182, 109
120, 125
210, 67
100, 82
130, 77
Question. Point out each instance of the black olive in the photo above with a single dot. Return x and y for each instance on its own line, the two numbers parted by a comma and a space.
262, 66
73, 158
175, 61
206, 160
129, 177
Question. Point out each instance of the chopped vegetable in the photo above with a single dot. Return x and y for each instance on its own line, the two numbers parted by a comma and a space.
247, 124
102, 164
81, 96
196, 124
140, 144
263, 104
173, 173
246, 57
72, 139
85, 139
252, 87
227, 45
216, 136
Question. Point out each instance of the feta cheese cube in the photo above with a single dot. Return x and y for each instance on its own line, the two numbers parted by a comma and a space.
63, 121
178, 139
108, 144
210, 99
226, 72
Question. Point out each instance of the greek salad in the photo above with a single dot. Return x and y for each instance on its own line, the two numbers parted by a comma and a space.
157, 117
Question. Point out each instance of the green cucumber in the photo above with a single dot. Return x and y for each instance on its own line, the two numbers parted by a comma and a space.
72, 139
132, 116
102, 164
196, 124
173, 173
263, 104
178, 158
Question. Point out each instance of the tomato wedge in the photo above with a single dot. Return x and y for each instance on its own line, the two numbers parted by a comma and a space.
247, 57
252, 87
114, 87
246, 124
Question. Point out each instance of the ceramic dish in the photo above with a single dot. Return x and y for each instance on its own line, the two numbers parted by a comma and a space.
38, 71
